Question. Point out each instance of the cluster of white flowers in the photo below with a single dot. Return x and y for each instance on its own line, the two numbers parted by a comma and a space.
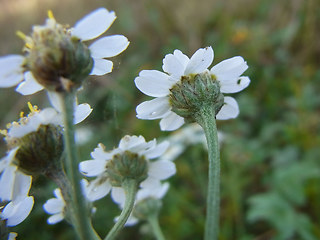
13, 72
15, 185
157, 169
158, 84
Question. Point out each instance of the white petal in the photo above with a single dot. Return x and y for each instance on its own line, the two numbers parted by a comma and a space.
11, 72
156, 151
200, 61
82, 111
94, 24
92, 168
118, 195
109, 46
16, 213
154, 109
7, 182
12, 236
175, 64
153, 192
150, 182
101, 67
54, 206
29, 85
171, 122
229, 69
161, 169
229, 110
22, 184
7, 160
50, 116
153, 83
235, 85
100, 154
58, 194
55, 218
55, 100
131, 221
130, 142
98, 189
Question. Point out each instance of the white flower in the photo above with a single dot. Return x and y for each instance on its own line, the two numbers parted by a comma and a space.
158, 84
12, 69
101, 186
46, 116
56, 207
142, 194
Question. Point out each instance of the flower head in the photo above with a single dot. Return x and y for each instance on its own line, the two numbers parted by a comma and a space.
38, 138
55, 56
187, 84
134, 158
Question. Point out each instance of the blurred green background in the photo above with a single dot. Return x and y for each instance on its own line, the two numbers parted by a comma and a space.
271, 152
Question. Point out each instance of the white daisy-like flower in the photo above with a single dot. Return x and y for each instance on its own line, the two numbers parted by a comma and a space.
176, 66
157, 170
14, 72
46, 116
55, 207
142, 194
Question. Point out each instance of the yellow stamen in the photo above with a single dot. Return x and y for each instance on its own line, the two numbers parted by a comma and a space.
28, 45
21, 114
4, 132
32, 108
21, 35
50, 15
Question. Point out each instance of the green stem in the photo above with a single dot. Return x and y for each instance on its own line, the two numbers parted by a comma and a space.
154, 223
80, 216
206, 118
130, 187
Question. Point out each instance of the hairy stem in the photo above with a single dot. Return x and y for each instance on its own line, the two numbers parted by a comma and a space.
206, 118
80, 215
130, 187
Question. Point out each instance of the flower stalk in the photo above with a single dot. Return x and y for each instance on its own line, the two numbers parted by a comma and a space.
154, 223
206, 118
79, 212
130, 187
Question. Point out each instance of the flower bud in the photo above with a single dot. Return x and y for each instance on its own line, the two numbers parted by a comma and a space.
57, 60
127, 165
194, 91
